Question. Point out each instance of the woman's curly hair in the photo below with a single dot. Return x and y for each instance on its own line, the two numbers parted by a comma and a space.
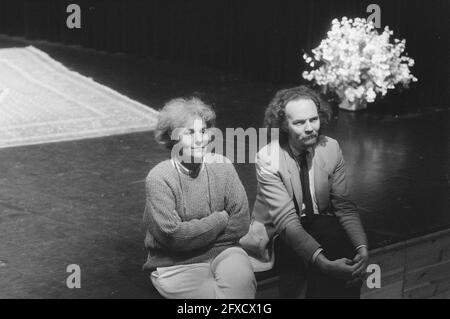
275, 114
174, 115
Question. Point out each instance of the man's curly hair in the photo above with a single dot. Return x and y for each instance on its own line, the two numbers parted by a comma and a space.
275, 114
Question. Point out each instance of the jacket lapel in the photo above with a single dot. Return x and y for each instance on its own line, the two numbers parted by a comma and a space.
320, 181
294, 176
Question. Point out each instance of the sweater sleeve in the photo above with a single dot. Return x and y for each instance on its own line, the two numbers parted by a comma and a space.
236, 205
166, 225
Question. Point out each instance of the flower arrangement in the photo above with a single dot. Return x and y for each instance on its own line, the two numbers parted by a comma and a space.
357, 63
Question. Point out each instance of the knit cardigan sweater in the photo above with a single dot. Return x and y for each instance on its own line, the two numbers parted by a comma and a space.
182, 229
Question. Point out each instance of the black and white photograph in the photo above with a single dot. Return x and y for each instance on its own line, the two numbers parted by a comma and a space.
224, 149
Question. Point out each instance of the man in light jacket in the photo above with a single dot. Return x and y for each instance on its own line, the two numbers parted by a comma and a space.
302, 198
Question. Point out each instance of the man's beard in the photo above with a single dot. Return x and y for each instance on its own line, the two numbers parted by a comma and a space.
310, 140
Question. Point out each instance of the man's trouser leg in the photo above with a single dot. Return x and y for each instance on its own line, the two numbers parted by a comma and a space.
330, 234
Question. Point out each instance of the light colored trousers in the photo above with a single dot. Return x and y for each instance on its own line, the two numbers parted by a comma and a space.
229, 275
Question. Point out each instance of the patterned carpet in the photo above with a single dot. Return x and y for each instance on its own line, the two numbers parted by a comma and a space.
42, 101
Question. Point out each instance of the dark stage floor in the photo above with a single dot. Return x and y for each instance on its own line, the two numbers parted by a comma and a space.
81, 202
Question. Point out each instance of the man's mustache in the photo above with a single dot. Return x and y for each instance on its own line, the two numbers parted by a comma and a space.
311, 136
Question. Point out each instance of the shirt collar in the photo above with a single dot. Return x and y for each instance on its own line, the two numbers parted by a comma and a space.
295, 153
181, 168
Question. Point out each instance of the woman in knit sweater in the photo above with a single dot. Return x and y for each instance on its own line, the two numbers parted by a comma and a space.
196, 212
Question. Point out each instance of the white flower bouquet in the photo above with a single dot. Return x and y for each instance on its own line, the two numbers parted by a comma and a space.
357, 63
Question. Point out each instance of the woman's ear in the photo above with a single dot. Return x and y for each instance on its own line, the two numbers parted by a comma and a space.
177, 149
175, 142
175, 135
